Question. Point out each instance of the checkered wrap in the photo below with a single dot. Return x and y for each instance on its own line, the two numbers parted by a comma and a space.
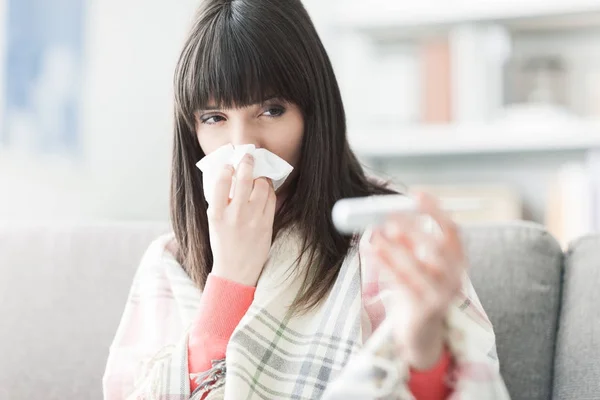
327, 353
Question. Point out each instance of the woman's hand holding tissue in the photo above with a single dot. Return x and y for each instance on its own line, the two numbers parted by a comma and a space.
241, 229
427, 269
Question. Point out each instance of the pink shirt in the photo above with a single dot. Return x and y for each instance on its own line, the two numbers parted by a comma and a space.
223, 305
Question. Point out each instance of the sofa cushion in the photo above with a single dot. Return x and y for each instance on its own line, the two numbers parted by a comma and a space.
62, 292
577, 362
516, 271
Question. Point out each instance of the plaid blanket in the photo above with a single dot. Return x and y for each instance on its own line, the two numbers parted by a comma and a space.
341, 350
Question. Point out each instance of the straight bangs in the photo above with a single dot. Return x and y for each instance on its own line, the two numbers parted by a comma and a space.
228, 64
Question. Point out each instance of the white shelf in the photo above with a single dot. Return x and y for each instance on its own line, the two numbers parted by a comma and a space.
475, 139
386, 14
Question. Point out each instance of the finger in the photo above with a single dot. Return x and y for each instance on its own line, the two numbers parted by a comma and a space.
434, 260
428, 205
271, 204
222, 189
260, 193
405, 231
398, 224
244, 180
427, 251
408, 232
379, 259
429, 296
404, 266
431, 253
400, 279
406, 261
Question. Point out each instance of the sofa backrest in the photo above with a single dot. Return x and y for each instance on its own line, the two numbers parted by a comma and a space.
62, 292
577, 361
516, 270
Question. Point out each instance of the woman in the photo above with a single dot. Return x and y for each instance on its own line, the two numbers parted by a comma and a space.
257, 295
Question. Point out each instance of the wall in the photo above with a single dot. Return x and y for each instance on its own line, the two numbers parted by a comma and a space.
133, 47
3, 16
123, 169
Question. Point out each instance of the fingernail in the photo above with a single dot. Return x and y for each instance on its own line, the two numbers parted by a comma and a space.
249, 157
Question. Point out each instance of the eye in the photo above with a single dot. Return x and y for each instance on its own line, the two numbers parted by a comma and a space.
274, 111
212, 119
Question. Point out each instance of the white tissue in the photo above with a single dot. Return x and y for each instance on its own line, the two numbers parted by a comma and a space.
266, 164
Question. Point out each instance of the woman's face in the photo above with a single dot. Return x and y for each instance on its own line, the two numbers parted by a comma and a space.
274, 125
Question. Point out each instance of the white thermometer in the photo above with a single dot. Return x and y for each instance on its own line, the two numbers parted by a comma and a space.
355, 215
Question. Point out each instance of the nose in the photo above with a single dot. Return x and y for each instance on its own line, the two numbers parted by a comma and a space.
244, 133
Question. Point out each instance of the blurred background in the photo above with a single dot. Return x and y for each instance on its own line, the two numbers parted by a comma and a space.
495, 100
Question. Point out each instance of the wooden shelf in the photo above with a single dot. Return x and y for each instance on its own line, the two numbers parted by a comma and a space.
475, 139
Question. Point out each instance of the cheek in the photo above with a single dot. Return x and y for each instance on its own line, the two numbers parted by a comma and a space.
297, 140
287, 148
210, 143
290, 143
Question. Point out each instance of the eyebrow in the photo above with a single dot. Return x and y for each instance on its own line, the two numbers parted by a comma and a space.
212, 107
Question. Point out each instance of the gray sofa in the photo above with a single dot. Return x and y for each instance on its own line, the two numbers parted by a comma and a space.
63, 288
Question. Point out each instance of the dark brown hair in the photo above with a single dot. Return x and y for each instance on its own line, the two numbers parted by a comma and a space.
238, 53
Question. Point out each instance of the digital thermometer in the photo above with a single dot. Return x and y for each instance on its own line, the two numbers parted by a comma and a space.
355, 215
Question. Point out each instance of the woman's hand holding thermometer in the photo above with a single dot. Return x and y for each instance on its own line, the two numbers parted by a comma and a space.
426, 266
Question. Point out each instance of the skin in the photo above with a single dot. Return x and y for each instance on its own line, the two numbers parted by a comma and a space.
427, 286
275, 125
426, 282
